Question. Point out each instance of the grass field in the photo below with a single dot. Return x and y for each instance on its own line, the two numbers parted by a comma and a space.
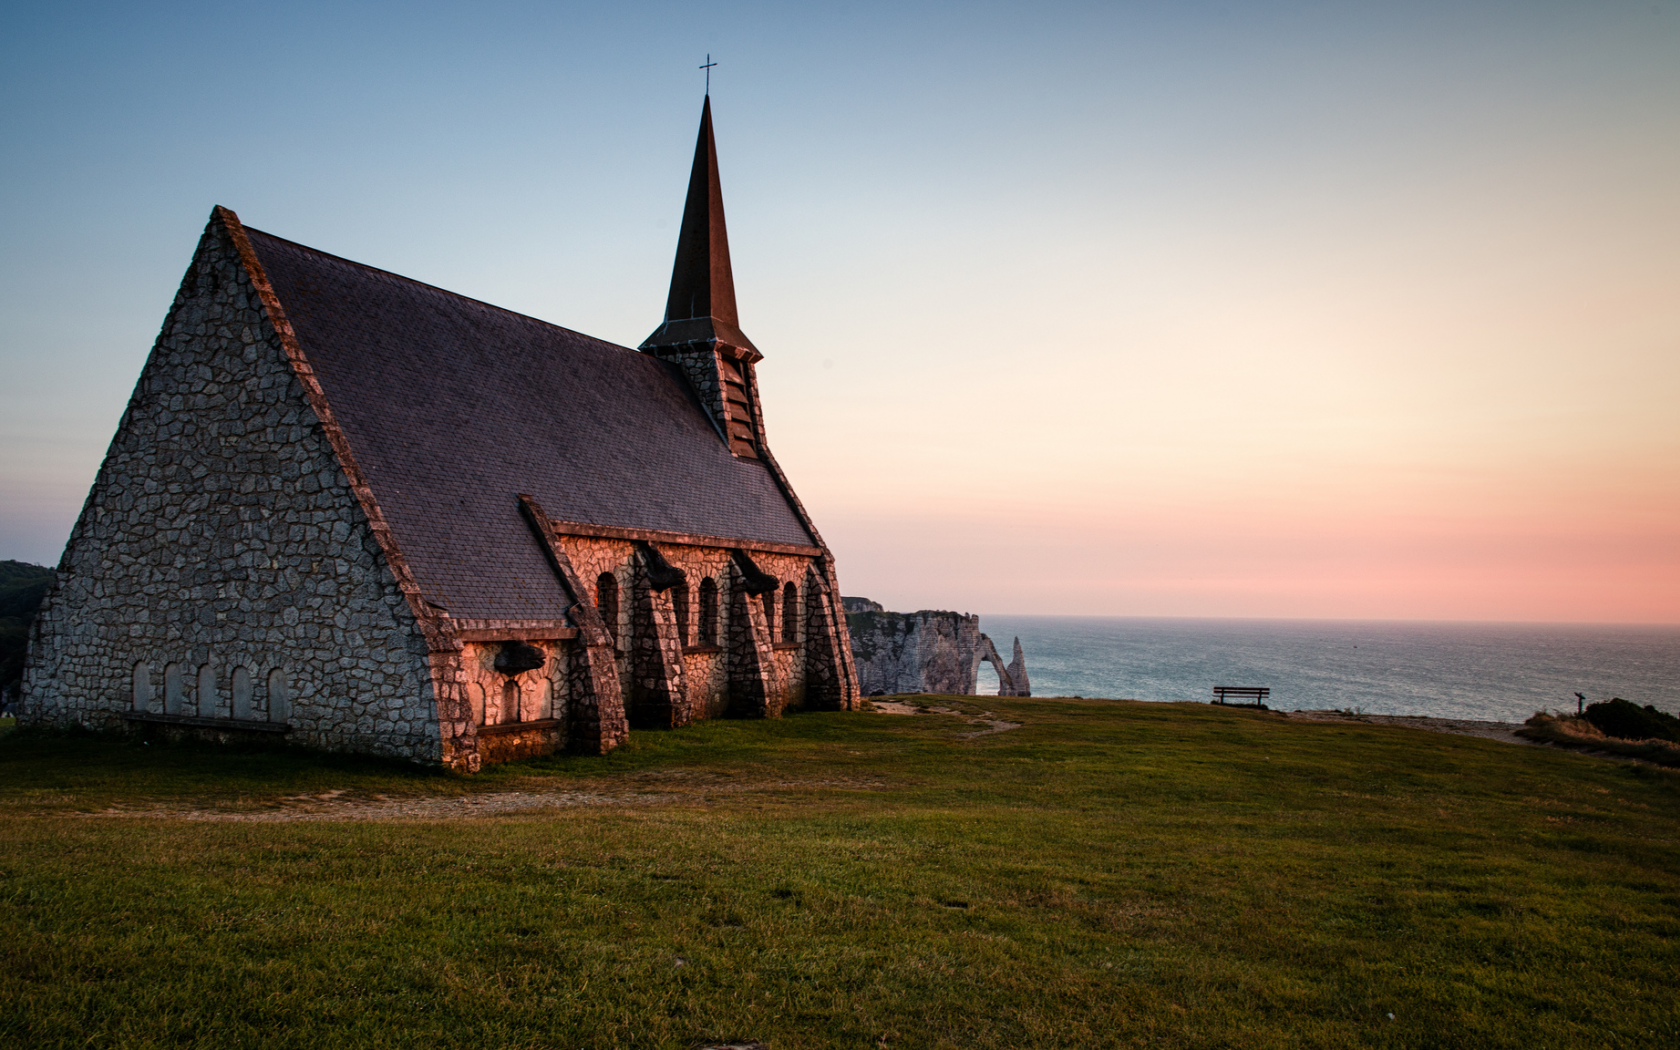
1108, 874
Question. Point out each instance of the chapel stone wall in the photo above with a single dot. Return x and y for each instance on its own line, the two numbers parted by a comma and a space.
751, 667
222, 565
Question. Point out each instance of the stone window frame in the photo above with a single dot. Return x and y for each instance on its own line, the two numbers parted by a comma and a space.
607, 603
709, 612
512, 696
680, 602
790, 613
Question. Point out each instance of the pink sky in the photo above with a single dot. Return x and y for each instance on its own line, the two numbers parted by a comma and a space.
1280, 310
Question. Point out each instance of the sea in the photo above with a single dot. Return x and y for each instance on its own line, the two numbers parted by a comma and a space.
1483, 671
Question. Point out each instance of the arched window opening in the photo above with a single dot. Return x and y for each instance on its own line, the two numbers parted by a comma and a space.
679, 602
475, 697
790, 613
768, 600
510, 701
606, 600
242, 692
279, 697
142, 687
174, 690
708, 611
206, 691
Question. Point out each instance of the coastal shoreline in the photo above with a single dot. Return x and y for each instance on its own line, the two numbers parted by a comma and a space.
1487, 730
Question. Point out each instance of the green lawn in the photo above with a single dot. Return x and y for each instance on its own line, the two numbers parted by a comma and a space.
1109, 874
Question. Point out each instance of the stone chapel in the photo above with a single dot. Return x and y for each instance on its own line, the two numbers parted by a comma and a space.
355, 512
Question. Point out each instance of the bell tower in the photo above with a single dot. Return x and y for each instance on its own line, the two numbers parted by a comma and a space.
701, 333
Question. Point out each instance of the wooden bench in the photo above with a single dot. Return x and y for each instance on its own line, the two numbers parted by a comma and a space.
1255, 695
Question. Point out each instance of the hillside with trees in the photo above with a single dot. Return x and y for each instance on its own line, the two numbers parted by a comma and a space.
22, 586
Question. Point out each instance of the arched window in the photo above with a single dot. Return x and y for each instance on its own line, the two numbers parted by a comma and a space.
708, 611
790, 613
510, 701
679, 602
768, 599
475, 697
206, 691
279, 697
174, 690
142, 687
241, 692
606, 600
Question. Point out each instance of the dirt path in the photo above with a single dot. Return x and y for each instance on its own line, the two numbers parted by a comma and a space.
992, 723
1506, 731
651, 787
331, 807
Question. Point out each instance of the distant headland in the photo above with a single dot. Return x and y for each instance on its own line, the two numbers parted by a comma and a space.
930, 651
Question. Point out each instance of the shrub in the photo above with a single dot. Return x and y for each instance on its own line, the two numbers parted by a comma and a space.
1570, 731
1618, 718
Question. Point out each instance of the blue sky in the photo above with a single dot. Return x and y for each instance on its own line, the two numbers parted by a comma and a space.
1043, 289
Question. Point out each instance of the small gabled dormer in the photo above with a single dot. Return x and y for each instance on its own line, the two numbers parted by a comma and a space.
701, 333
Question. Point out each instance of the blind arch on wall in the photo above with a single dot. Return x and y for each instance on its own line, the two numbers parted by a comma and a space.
205, 693
279, 696
174, 690
142, 687
241, 691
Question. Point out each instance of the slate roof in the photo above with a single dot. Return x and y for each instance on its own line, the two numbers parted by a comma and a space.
453, 407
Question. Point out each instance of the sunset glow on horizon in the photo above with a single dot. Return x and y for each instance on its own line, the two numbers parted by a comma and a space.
1310, 311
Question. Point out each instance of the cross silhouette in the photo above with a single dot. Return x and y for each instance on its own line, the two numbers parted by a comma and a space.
708, 68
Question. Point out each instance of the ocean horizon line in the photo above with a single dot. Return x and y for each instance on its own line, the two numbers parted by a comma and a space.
1675, 625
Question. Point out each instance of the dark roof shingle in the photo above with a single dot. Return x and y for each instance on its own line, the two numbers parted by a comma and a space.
453, 407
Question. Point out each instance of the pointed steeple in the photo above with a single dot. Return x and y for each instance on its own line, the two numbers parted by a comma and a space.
702, 334
701, 306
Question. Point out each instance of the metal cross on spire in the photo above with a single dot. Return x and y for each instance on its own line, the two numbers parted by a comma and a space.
708, 68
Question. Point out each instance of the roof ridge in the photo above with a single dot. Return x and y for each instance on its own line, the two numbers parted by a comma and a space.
441, 290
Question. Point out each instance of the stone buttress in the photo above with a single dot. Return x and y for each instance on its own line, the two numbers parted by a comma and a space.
658, 696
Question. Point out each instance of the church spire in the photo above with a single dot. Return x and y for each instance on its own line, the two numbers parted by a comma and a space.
701, 306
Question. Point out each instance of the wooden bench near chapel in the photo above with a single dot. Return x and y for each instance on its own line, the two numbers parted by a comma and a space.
1255, 695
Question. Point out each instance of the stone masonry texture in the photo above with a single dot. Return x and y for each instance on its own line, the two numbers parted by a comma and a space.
222, 534
234, 575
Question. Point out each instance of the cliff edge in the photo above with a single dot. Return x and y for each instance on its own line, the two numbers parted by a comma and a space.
930, 651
